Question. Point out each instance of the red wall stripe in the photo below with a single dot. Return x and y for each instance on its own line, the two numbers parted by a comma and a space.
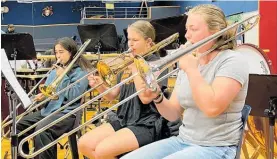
268, 30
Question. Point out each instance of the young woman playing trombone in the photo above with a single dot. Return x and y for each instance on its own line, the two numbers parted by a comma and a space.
65, 49
209, 92
138, 123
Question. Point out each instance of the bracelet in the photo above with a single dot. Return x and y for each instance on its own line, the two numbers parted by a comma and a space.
161, 98
160, 94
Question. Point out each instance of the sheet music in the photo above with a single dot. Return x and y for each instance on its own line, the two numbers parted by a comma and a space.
9, 75
23, 64
19, 64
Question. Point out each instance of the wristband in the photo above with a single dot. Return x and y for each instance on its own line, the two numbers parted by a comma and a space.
159, 98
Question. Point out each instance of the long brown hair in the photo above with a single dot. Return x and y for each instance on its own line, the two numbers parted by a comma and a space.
70, 45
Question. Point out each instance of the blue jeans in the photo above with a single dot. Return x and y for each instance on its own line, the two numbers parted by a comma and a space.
175, 148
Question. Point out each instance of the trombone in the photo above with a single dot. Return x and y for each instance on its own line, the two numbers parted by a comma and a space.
87, 122
57, 80
109, 71
117, 70
149, 71
49, 91
163, 65
30, 94
32, 90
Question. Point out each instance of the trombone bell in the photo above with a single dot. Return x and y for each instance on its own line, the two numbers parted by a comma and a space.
48, 91
146, 72
106, 73
109, 73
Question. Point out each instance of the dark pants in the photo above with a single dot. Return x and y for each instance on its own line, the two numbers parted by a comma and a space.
46, 136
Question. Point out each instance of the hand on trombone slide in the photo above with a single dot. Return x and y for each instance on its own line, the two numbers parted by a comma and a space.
189, 61
39, 97
94, 80
153, 94
59, 69
149, 94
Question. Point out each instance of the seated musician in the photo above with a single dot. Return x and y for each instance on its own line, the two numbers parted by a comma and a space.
210, 92
137, 123
65, 49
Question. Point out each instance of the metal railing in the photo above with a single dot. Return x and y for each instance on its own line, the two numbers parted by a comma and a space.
117, 12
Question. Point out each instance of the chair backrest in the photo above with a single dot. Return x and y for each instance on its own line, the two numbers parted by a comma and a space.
78, 114
245, 113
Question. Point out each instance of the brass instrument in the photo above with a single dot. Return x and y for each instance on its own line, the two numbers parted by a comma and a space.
122, 56
164, 43
149, 71
29, 94
33, 106
88, 56
189, 49
108, 73
48, 90
51, 88
258, 128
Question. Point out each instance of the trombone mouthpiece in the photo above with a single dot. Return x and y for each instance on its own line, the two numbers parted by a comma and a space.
58, 61
128, 51
187, 44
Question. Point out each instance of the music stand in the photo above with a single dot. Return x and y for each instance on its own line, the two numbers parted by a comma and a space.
18, 46
167, 26
262, 97
103, 37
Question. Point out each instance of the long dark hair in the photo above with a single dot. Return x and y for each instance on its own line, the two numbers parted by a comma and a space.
70, 45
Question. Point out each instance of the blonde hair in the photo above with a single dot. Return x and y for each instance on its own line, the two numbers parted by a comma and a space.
144, 28
216, 21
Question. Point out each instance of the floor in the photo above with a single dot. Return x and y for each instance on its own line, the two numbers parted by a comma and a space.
5, 146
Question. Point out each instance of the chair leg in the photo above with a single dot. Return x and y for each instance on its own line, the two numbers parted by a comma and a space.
73, 145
